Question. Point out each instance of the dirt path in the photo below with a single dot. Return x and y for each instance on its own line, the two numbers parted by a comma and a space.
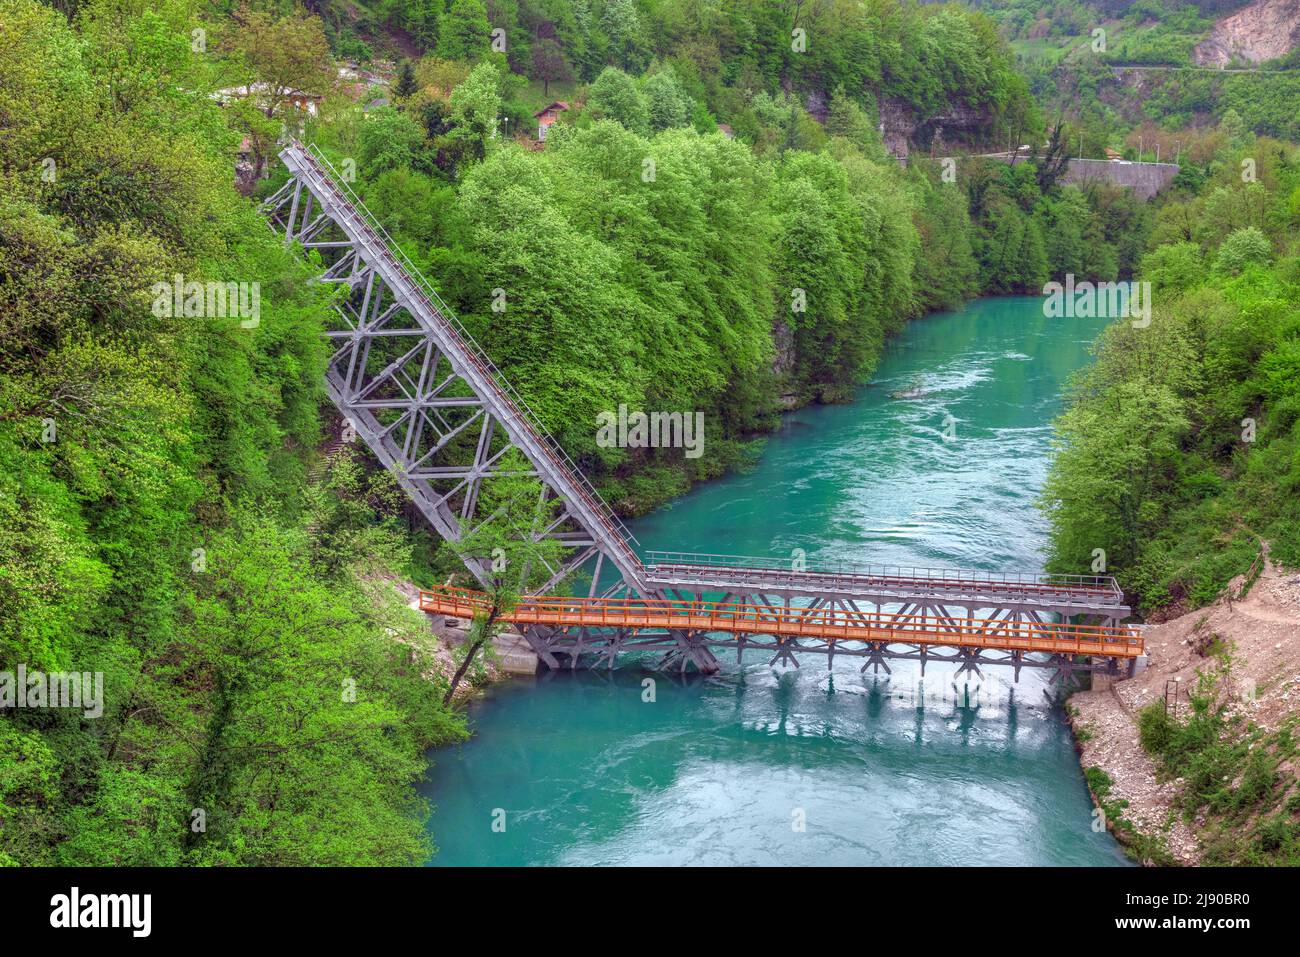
1263, 633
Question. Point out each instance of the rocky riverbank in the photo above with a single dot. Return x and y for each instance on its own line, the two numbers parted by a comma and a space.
1260, 631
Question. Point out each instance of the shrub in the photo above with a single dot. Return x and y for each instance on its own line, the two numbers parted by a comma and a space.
1243, 247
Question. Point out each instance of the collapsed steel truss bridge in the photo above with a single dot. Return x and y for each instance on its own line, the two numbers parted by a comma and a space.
417, 389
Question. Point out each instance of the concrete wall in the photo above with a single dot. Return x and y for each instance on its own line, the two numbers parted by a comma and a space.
1145, 179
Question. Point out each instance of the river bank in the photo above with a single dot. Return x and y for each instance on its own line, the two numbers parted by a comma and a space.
1253, 643
511, 656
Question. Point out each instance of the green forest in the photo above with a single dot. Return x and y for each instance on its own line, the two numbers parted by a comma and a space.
713, 224
265, 695
1181, 449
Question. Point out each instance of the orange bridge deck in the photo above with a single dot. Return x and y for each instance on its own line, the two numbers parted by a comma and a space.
831, 626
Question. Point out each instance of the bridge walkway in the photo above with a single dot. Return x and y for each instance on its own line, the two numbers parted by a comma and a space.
835, 625
402, 364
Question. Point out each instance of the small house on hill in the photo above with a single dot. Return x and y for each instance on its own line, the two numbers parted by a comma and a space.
547, 116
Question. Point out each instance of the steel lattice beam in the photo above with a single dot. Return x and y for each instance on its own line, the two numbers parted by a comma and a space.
416, 390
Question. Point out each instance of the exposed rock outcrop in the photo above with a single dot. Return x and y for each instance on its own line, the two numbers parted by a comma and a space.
903, 129
1265, 30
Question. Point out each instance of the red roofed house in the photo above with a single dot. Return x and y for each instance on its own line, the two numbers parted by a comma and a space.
548, 115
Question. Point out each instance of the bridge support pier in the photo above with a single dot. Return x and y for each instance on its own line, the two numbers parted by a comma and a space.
875, 659
969, 662
1137, 665
1063, 669
609, 653
691, 649
539, 639
785, 649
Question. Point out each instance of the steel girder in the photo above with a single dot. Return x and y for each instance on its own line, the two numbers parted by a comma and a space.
412, 385
1002, 602
567, 648
676, 648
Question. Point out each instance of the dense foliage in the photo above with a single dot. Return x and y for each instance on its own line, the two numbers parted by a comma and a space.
1181, 448
1073, 55
647, 260
156, 521
166, 521
928, 57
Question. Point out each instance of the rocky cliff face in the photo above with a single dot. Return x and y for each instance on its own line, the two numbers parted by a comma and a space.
903, 129
1265, 30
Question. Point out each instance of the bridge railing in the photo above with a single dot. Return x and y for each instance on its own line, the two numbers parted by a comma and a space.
746, 618
668, 562
525, 416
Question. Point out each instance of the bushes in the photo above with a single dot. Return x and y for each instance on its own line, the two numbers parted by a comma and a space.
1241, 248
1098, 781
1193, 749
1155, 728
1230, 775
615, 96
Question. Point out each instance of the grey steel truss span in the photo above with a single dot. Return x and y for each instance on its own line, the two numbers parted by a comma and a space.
952, 596
917, 589
412, 383
414, 386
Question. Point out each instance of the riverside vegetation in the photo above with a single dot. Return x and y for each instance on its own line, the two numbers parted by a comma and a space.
1180, 451
1179, 458
163, 519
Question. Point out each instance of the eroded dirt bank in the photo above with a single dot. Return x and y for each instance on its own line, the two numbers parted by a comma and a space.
1261, 632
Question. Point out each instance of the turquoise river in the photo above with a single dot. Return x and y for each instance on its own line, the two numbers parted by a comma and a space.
805, 766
